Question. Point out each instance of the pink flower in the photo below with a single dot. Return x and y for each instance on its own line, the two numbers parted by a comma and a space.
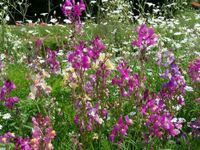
5, 90
52, 61
126, 82
194, 70
73, 10
120, 128
146, 37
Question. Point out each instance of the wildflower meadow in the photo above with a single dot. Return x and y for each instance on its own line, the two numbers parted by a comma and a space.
109, 74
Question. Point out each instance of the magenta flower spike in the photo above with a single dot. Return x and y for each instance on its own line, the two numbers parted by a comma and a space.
146, 37
194, 70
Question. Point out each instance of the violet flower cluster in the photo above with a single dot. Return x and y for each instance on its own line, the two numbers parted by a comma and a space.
98, 80
7, 137
52, 61
120, 129
5, 90
73, 10
174, 89
195, 126
194, 70
158, 118
126, 82
146, 37
38, 43
42, 133
82, 57
22, 143
94, 116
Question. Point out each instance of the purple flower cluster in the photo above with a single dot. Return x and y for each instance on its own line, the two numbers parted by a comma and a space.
158, 118
42, 134
120, 129
195, 126
7, 137
165, 58
38, 43
22, 143
98, 80
82, 56
175, 87
94, 116
194, 70
73, 10
126, 82
5, 90
51, 59
146, 37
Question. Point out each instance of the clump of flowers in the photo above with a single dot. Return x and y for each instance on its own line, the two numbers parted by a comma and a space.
94, 115
52, 61
38, 43
127, 83
42, 134
195, 126
146, 37
5, 90
175, 87
39, 85
194, 70
22, 143
120, 129
7, 137
73, 10
82, 56
158, 118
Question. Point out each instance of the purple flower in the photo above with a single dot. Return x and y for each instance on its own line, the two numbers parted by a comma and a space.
175, 87
194, 70
146, 37
125, 81
120, 128
7, 137
158, 118
198, 100
91, 118
73, 10
52, 61
23, 143
5, 90
38, 43
195, 126
83, 56
42, 133
10, 101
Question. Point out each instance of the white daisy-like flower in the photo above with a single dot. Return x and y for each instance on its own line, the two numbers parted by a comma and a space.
6, 116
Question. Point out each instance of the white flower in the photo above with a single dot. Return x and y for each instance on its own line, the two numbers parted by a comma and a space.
7, 18
44, 14
93, 2
53, 20
189, 89
67, 21
1, 127
6, 116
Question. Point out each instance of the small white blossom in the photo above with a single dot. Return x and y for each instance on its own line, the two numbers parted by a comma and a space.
6, 116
